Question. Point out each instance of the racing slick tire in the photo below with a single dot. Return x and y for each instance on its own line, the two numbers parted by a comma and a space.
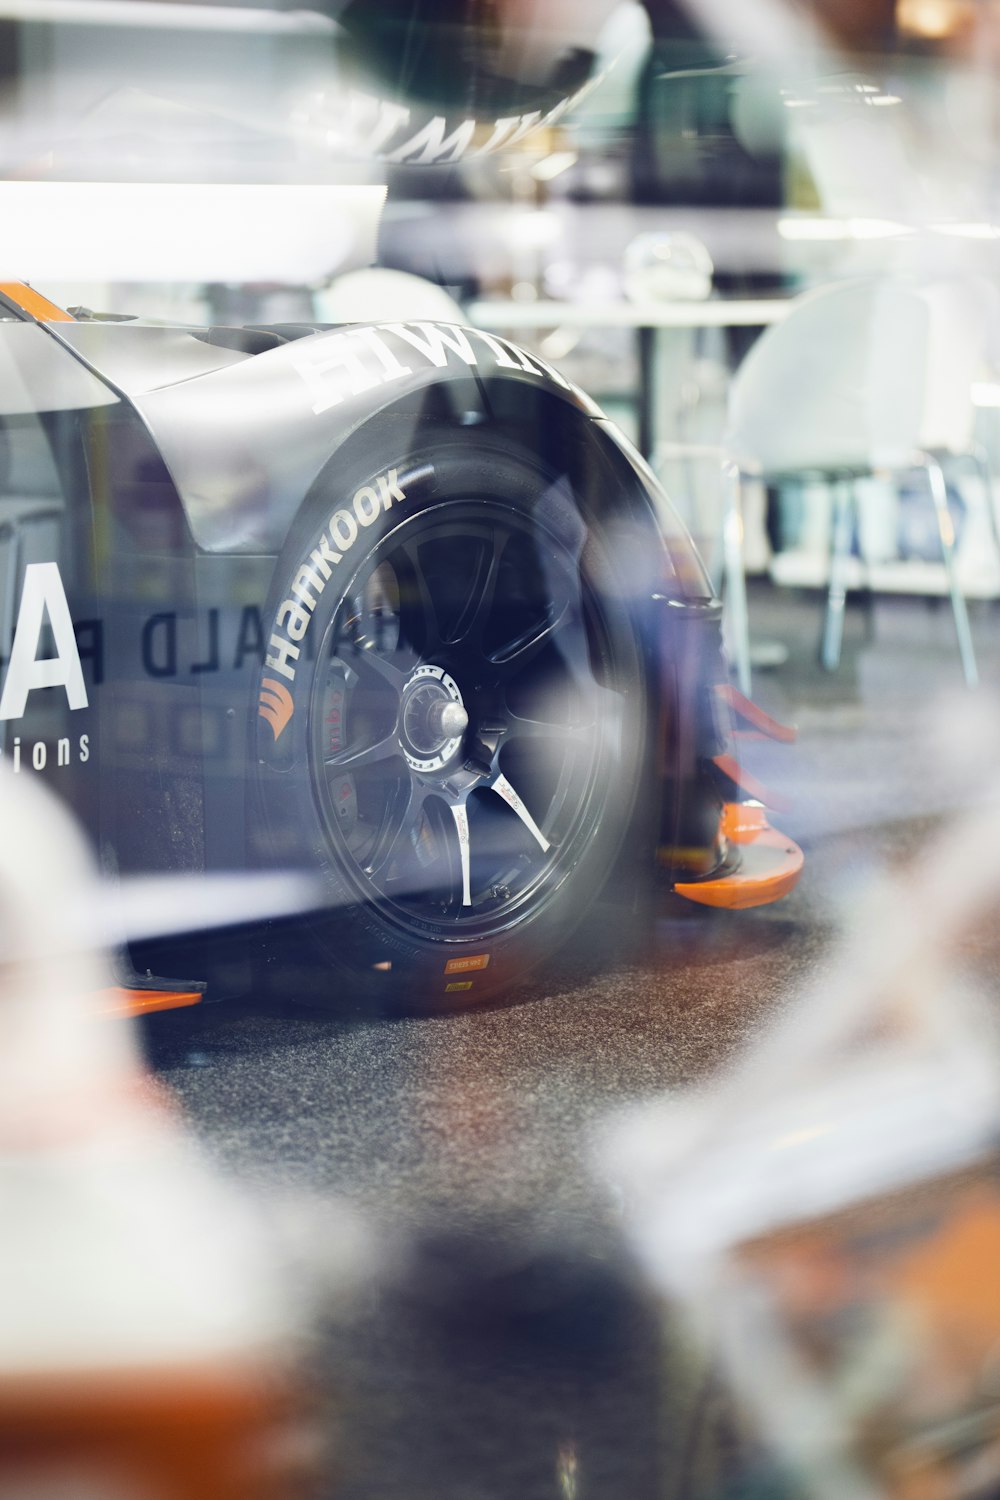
452, 715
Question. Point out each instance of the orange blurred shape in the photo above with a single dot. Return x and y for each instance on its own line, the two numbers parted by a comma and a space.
769, 863
119, 1000
199, 1434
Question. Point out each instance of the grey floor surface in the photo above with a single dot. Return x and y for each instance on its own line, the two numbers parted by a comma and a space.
479, 1329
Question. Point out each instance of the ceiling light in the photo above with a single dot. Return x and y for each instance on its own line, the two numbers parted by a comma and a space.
165, 15
969, 231
289, 234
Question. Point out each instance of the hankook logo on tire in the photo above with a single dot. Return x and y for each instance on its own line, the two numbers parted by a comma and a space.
275, 705
311, 577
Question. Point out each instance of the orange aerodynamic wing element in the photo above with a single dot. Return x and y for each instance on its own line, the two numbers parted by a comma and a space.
34, 303
762, 863
769, 866
753, 717
122, 1000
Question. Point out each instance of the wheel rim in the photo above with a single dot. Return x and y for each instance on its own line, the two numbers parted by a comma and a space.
467, 720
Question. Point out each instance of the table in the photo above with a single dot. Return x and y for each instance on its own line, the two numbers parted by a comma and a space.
717, 312
647, 318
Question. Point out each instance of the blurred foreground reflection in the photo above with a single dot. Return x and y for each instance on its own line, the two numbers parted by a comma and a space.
149, 1344
828, 1213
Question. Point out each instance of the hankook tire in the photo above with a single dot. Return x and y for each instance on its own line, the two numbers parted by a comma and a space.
452, 720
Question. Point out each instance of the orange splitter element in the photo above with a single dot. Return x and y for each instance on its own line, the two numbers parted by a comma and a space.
770, 862
750, 713
120, 1001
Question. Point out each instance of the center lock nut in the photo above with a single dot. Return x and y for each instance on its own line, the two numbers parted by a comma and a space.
432, 720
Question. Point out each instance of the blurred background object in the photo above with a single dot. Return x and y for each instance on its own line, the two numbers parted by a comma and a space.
659, 267
867, 376
379, 295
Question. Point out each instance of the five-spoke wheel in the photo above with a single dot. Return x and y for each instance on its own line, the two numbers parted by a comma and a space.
474, 724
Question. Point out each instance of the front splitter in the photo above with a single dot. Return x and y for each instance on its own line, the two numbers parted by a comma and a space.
768, 867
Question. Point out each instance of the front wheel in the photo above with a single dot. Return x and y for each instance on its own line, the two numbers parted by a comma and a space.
451, 718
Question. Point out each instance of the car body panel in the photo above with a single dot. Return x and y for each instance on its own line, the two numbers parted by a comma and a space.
245, 435
166, 472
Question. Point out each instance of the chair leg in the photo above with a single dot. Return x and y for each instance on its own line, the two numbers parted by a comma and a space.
840, 553
946, 531
981, 462
735, 594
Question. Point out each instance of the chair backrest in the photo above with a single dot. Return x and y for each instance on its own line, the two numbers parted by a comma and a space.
859, 374
962, 313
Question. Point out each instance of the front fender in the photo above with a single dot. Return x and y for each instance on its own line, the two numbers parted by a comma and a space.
245, 441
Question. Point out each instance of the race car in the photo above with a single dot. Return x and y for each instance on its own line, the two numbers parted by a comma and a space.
392, 604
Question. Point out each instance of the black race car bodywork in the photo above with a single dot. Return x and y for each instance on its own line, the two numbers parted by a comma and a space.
391, 604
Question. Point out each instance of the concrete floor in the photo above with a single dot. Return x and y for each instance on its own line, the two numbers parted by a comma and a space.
480, 1329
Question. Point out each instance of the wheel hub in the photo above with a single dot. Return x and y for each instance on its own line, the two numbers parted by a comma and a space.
432, 720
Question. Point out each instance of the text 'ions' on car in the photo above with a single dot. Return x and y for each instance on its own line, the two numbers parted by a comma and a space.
394, 605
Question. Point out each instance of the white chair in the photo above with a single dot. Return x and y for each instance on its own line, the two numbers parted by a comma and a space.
379, 294
863, 376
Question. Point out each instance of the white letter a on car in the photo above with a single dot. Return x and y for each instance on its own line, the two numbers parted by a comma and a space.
43, 594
